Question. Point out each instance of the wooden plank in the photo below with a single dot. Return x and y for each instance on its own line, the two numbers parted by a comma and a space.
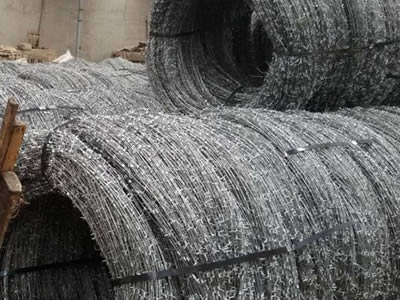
7, 127
40, 55
13, 149
10, 194
11, 136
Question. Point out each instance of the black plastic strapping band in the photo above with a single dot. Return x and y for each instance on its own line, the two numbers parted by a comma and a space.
152, 276
349, 50
74, 263
328, 145
393, 76
173, 35
343, 51
297, 245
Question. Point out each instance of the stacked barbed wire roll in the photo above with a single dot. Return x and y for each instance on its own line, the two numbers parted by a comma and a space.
161, 191
169, 191
203, 189
51, 94
275, 54
49, 231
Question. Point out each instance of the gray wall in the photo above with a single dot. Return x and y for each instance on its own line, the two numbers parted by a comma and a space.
108, 24
17, 19
59, 25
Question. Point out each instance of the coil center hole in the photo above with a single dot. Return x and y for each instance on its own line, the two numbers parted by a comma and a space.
235, 40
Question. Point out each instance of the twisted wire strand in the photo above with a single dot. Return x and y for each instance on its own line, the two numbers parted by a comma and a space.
50, 230
47, 90
161, 191
275, 54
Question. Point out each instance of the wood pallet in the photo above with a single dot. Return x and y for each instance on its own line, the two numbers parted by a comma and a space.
9, 53
11, 136
134, 54
34, 56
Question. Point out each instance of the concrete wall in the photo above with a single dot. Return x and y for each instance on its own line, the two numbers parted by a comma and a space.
110, 25
17, 19
59, 25
107, 26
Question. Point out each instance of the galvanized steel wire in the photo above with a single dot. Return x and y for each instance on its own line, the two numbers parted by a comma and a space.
162, 191
313, 55
52, 94
50, 230
195, 189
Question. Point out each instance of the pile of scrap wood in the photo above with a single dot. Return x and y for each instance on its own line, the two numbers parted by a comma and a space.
25, 51
9, 53
134, 54
40, 55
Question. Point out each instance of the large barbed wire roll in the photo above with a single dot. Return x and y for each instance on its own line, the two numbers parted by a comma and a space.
161, 191
275, 54
50, 230
51, 94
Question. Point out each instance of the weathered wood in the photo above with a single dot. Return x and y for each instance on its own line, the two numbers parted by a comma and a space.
7, 128
14, 146
11, 136
10, 194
